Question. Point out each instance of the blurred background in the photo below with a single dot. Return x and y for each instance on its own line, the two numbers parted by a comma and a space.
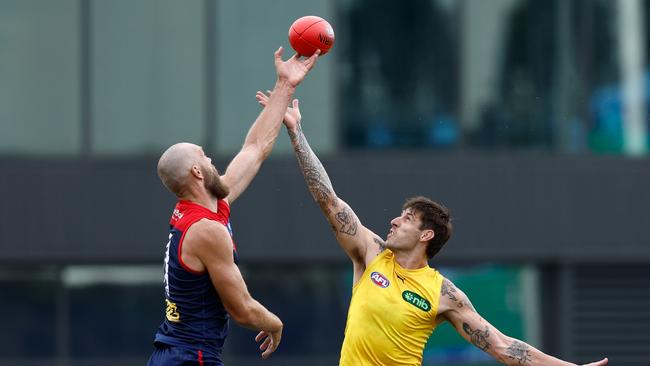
529, 119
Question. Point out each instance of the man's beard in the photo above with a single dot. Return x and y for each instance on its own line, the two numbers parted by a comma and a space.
214, 185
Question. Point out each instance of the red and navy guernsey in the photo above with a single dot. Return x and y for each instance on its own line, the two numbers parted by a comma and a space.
195, 316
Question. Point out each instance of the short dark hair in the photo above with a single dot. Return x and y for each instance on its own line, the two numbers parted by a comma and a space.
434, 216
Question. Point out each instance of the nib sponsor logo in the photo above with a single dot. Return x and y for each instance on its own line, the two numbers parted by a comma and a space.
416, 300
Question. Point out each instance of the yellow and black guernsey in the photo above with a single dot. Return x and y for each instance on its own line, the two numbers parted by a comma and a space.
392, 314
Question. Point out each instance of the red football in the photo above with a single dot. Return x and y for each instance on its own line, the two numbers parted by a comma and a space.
310, 33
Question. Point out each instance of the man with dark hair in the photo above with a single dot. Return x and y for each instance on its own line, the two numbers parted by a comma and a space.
397, 299
434, 216
203, 285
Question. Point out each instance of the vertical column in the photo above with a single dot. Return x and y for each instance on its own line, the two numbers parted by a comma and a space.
482, 37
632, 55
565, 311
63, 321
529, 277
85, 76
563, 115
210, 78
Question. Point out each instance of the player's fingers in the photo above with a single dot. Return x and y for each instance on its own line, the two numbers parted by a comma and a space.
260, 335
295, 104
273, 345
265, 344
311, 61
262, 102
278, 54
261, 97
271, 348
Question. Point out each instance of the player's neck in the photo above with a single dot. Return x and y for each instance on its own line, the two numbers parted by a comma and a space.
411, 259
203, 198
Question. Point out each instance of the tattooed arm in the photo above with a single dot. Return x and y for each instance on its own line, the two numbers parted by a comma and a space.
361, 244
456, 308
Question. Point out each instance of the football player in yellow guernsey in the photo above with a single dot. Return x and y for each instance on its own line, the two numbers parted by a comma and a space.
397, 299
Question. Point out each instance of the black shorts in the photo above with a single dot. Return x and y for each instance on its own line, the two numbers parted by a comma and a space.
165, 355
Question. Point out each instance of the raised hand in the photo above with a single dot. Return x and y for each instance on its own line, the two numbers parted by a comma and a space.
295, 68
291, 116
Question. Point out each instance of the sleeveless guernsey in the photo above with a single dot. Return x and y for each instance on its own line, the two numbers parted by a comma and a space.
195, 317
392, 314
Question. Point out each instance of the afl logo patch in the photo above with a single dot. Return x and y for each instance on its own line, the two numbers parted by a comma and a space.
379, 279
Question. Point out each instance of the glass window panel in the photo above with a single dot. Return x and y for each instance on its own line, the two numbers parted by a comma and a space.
311, 301
114, 310
504, 74
29, 312
39, 77
244, 64
400, 81
147, 75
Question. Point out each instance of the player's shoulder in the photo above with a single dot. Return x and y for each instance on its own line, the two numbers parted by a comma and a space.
453, 298
446, 285
448, 298
208, 233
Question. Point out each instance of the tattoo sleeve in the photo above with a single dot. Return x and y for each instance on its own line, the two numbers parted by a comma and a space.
347, 222
448, 289
519, 352
478, 337
320, 186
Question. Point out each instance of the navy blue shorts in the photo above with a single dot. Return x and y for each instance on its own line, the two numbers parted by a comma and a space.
165, 355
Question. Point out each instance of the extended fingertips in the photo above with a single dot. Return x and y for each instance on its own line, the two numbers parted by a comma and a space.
312, 59
271, 347
259, 336
265, 344
278, 53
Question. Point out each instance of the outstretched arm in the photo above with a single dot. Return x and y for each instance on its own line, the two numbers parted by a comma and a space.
359, 243
456, 308
264, 131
